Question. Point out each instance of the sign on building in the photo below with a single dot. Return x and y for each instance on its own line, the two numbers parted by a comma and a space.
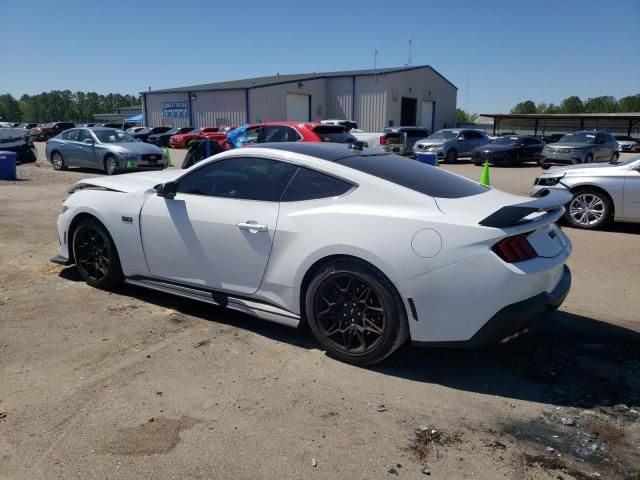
175, 109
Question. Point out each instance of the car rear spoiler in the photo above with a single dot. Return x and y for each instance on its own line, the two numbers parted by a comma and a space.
544, 201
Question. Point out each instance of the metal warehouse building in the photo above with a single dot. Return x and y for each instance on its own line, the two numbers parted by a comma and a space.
373, 98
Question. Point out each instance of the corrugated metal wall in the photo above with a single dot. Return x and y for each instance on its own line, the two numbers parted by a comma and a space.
154, 109
339, 98
371, 103
269, 103
220, 108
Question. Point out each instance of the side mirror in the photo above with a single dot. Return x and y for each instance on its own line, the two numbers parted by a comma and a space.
89, 141
167, 190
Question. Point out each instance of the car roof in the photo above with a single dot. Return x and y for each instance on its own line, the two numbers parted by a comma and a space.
99, 129
325, 151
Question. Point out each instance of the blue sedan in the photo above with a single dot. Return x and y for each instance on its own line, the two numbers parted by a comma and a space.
107, 149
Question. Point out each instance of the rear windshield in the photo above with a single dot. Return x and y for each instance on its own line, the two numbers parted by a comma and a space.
415, 175
578, 138
335, 134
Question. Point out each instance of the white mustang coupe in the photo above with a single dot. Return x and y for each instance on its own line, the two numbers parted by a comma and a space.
367, 248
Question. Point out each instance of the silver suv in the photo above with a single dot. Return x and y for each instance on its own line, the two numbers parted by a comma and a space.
581, 147
451, 143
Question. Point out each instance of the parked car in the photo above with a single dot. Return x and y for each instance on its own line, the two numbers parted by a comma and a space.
133, 130
628, 144
387, 142
300, 232
552, 138
501, 134
182, 140
103, 148
143, 135
581, 147
27, 126
162, 139
272, 132
512, 150
450, 143
49, 130
413, 134
17, 140
601, 192
347, 124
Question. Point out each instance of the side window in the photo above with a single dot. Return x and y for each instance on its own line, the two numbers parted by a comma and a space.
247, 178
531, 141
474, 135
309, 185
71, 135
600, 138
274, 133
292, 135
252, 134
83, 135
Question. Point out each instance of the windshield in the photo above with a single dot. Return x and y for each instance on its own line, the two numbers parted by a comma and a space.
443, 135
578, 138
173, 130
505, 141
113, 136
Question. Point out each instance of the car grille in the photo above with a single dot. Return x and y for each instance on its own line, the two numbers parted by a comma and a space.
559, 150
151, 156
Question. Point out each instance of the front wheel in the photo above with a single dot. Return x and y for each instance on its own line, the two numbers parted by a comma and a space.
355, 313
110, 165
614, 157
452, 156
95, 255
588, 159
588, 209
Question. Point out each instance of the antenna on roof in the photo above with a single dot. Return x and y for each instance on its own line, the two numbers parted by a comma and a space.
409, 62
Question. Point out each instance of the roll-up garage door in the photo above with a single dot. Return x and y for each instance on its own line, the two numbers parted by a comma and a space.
298, 107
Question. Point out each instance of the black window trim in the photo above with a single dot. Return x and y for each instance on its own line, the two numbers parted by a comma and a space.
201, 165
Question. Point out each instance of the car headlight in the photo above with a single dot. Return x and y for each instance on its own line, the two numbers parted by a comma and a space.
130, 155
548, 181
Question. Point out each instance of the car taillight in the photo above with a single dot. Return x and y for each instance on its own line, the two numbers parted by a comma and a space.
383, 140
514, 249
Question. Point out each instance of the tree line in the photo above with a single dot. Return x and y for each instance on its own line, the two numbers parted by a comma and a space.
574, 104
61, 105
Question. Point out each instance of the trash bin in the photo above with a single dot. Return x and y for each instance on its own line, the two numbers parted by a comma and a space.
430, 158
7, 165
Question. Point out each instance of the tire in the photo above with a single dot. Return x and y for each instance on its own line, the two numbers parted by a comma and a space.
378, 325
615, 157
57, 160
589, 209
588, 159
514, 160
452, 156
110, 165
95, 255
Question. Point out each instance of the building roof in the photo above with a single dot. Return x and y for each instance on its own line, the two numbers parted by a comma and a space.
564, 116
277, 79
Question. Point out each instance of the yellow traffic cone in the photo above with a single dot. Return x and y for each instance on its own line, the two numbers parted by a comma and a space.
484, 178
167, 154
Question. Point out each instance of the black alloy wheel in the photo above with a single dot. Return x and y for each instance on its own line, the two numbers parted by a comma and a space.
355, 313
95, 255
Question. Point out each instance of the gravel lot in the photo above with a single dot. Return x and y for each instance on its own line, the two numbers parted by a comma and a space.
135, 384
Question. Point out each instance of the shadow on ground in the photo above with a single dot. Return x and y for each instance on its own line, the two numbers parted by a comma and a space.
572, 360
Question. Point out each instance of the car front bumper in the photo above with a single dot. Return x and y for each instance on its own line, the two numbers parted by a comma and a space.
515, 319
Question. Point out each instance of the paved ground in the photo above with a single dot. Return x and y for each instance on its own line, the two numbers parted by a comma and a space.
133, 384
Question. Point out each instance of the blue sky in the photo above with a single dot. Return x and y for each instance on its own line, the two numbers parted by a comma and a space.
504, 51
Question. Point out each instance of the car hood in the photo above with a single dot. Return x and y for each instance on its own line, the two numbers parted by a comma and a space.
587, 169
570, 145
627, 142
137, 147
490, 148
433, 143
128, 182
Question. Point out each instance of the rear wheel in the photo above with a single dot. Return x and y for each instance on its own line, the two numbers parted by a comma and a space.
452, 156
110, 165
95, 255
58, 161
355, 313
588, 209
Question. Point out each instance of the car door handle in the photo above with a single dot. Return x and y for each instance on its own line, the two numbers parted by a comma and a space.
252, 226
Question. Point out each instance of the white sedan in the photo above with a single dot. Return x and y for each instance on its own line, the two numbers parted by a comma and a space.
369, 249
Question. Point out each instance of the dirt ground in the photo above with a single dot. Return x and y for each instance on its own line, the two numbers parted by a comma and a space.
136, 384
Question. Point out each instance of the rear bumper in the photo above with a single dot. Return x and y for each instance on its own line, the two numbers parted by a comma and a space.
514, 319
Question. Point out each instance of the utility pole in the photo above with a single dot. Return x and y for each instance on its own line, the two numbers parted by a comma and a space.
409, 62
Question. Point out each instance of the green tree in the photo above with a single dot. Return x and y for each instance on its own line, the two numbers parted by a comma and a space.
629, 104
525, 107
572, 104
465, 117
604, 104
9, 108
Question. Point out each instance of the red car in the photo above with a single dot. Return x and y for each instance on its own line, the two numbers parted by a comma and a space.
269, 132
183, 140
